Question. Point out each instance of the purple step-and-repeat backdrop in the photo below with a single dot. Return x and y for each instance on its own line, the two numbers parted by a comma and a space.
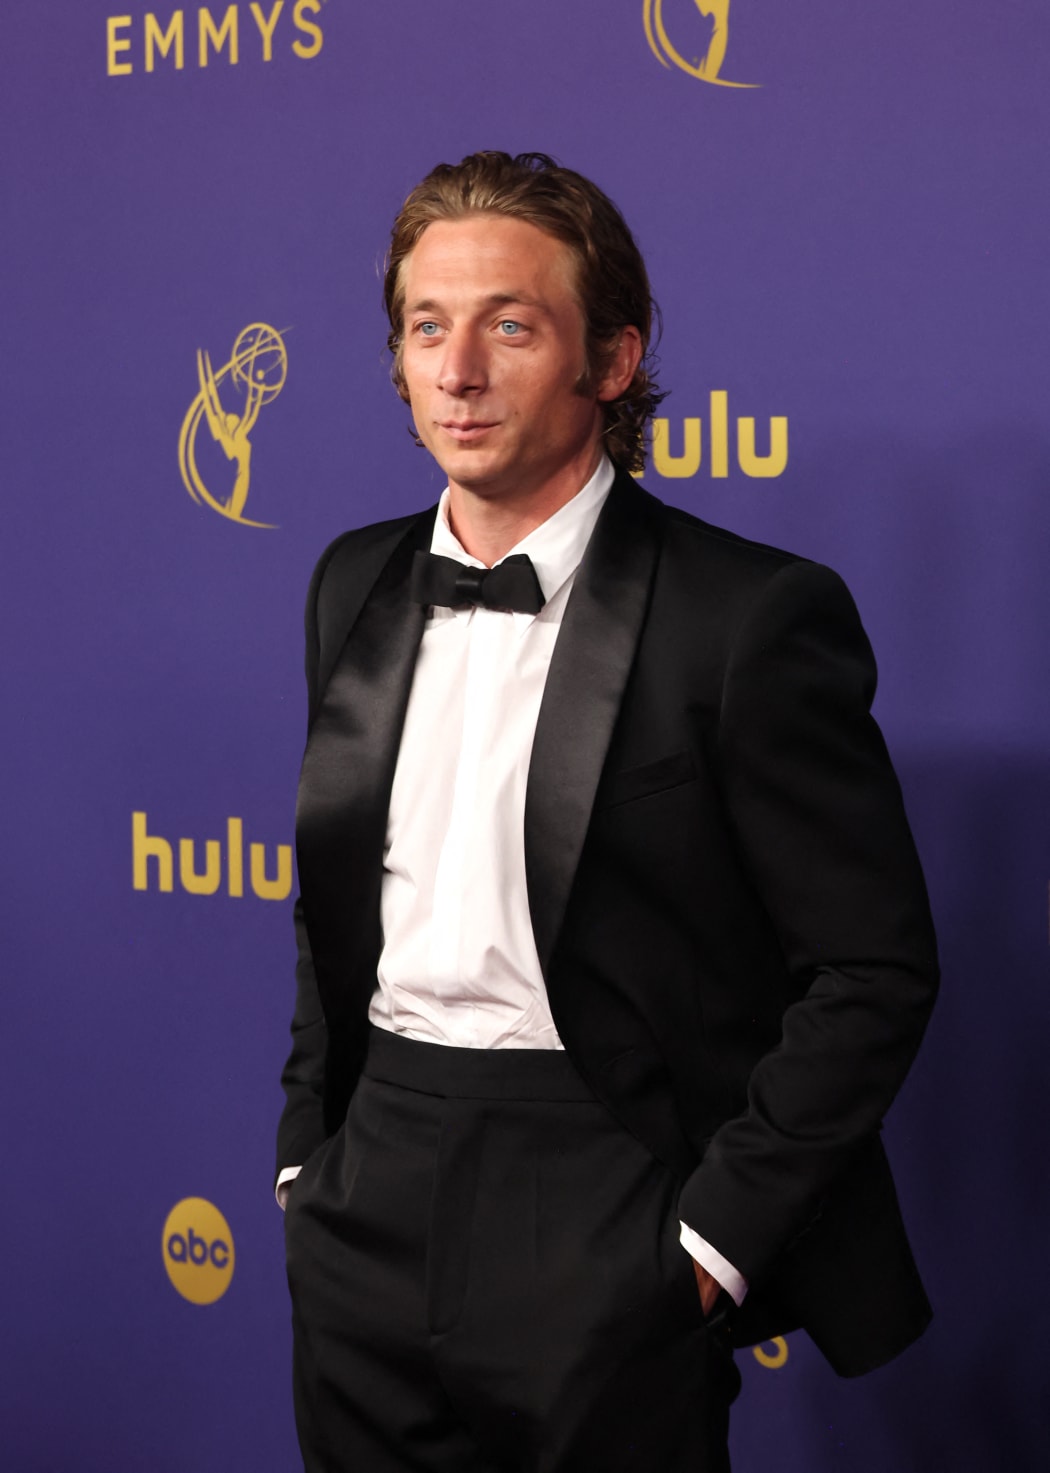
844, 209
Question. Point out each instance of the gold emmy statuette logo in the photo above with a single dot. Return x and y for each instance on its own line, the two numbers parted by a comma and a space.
257, 368
705, 68
197, 1246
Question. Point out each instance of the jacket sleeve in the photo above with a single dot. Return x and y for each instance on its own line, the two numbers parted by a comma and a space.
817, 810
301, 1128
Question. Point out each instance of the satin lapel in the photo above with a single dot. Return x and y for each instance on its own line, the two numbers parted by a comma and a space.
344, 786
581, 700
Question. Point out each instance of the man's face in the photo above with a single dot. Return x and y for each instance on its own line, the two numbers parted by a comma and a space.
493, 354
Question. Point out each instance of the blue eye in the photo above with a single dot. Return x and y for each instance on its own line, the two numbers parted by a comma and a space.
510, 329
427, 329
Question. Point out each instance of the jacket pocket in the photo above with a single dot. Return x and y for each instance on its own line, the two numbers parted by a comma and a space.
642, 782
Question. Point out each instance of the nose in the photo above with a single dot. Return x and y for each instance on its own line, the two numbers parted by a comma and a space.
463, 368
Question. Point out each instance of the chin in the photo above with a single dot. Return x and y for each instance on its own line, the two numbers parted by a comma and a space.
474, 473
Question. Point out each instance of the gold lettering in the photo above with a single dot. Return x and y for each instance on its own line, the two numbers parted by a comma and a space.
719, 432
762, 465
206, 32
165, 40
145, 847
235, 857
675, 466
281, 887
266, 26
306, 51
208, 882
115, 43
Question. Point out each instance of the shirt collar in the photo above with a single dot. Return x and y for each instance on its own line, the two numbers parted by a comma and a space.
556, 546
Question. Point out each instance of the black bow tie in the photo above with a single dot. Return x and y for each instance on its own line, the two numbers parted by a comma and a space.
511, 585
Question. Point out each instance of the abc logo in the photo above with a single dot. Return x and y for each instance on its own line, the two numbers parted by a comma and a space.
198, 1250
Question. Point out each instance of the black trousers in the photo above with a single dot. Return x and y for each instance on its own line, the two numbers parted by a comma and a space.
486, 1276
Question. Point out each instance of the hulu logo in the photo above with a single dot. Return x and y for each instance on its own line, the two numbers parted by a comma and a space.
205, 879
687, 462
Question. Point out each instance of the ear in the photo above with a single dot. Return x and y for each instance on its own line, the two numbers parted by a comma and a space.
622, 366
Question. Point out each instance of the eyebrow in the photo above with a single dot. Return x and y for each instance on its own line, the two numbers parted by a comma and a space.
497, 299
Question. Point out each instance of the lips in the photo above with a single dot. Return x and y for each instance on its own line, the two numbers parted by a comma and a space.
465, 431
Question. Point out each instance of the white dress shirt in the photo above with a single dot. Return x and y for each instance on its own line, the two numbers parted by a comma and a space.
459, 964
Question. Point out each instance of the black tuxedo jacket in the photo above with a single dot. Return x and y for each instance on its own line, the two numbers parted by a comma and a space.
726, 900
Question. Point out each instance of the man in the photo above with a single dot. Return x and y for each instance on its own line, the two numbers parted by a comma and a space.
614, 947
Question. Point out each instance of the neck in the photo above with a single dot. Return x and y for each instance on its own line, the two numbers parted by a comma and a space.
488, 525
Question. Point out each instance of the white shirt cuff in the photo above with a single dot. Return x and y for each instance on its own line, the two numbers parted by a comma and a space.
284, 1182
718, 1267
